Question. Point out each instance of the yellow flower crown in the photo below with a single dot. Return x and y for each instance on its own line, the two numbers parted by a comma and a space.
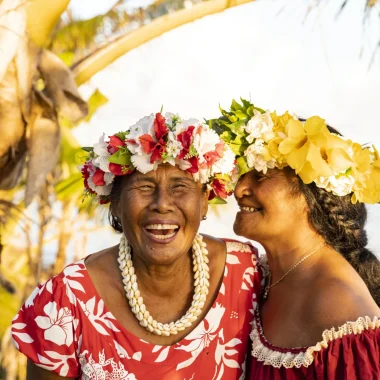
263, 140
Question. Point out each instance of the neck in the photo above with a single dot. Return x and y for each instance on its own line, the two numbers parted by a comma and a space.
165, 281
285, 251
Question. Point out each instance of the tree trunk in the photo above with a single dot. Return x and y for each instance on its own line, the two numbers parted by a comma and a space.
65, 235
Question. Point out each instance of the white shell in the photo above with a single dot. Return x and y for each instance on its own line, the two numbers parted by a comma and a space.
201, 285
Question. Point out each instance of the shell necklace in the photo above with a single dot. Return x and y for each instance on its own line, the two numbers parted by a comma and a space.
201, 285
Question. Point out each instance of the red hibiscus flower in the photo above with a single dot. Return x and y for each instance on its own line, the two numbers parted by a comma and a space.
160, 128
219, 188
185, 138
118, 169
156, 148
194, 165
115, 144
86, 170
98, 177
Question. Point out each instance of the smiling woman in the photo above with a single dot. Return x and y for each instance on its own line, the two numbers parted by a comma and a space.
301, 195
167, 302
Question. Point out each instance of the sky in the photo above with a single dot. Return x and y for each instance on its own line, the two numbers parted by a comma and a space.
264, 51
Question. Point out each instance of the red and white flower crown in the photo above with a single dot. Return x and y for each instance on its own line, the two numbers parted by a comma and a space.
156, 139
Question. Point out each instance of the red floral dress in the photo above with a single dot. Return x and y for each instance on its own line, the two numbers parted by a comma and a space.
351, 352
65, 327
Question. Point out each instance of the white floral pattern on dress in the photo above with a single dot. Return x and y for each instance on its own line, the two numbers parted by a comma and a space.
65, 327
57, 324
202, 336
92, 370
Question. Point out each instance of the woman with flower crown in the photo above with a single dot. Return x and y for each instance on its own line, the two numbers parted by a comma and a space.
167, 302
301, 194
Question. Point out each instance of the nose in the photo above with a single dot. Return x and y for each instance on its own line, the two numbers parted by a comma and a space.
162, 202
243, 187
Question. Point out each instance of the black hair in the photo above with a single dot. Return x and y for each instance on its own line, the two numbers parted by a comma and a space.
341, 223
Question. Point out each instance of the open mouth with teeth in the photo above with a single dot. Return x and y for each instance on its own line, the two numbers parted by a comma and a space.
162, 231
250, 209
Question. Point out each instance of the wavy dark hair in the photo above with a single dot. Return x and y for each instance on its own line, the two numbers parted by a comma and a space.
341, 224
115, 222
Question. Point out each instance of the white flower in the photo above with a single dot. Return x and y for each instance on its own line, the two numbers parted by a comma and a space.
260, 127
100, 148
101, 190
255, 157
173, 148
142, 163
184, 124
225, 164
202, 175
205, 142
169, 118
338, 185
57, 325
142, 127
183, 164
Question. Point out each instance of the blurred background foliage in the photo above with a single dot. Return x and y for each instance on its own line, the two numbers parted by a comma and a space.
48, 53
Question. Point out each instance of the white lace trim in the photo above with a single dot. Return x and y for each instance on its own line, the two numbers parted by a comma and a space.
305, 358
236, 246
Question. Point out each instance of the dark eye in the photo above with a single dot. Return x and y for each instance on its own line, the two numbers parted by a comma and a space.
179, 186
261, 176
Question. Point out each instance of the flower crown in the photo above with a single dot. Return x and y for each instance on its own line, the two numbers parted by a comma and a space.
158, 139
263, 140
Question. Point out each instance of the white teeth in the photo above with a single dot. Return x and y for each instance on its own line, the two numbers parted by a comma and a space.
249, 209
162, 237
161, 227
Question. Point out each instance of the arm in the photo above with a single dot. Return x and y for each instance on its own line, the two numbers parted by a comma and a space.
34, 372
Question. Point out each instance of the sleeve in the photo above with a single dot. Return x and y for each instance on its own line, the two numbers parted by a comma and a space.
354, 356
43, 329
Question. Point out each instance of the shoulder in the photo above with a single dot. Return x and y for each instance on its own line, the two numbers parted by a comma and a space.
337, 301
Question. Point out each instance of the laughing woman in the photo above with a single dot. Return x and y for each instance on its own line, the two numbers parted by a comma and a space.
166, 303
301, 196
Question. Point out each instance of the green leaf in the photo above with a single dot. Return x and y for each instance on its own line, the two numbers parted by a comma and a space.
237, 127
227, 136
235, 106
246, 103
235, 148
241, 115
242, 165
217, 201
121, 157
250, 111
87, 148
96, 100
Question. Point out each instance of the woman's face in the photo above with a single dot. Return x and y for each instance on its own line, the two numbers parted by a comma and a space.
268, 206
160, 212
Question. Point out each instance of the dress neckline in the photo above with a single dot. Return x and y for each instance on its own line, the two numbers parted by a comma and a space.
278, 357
197, 328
